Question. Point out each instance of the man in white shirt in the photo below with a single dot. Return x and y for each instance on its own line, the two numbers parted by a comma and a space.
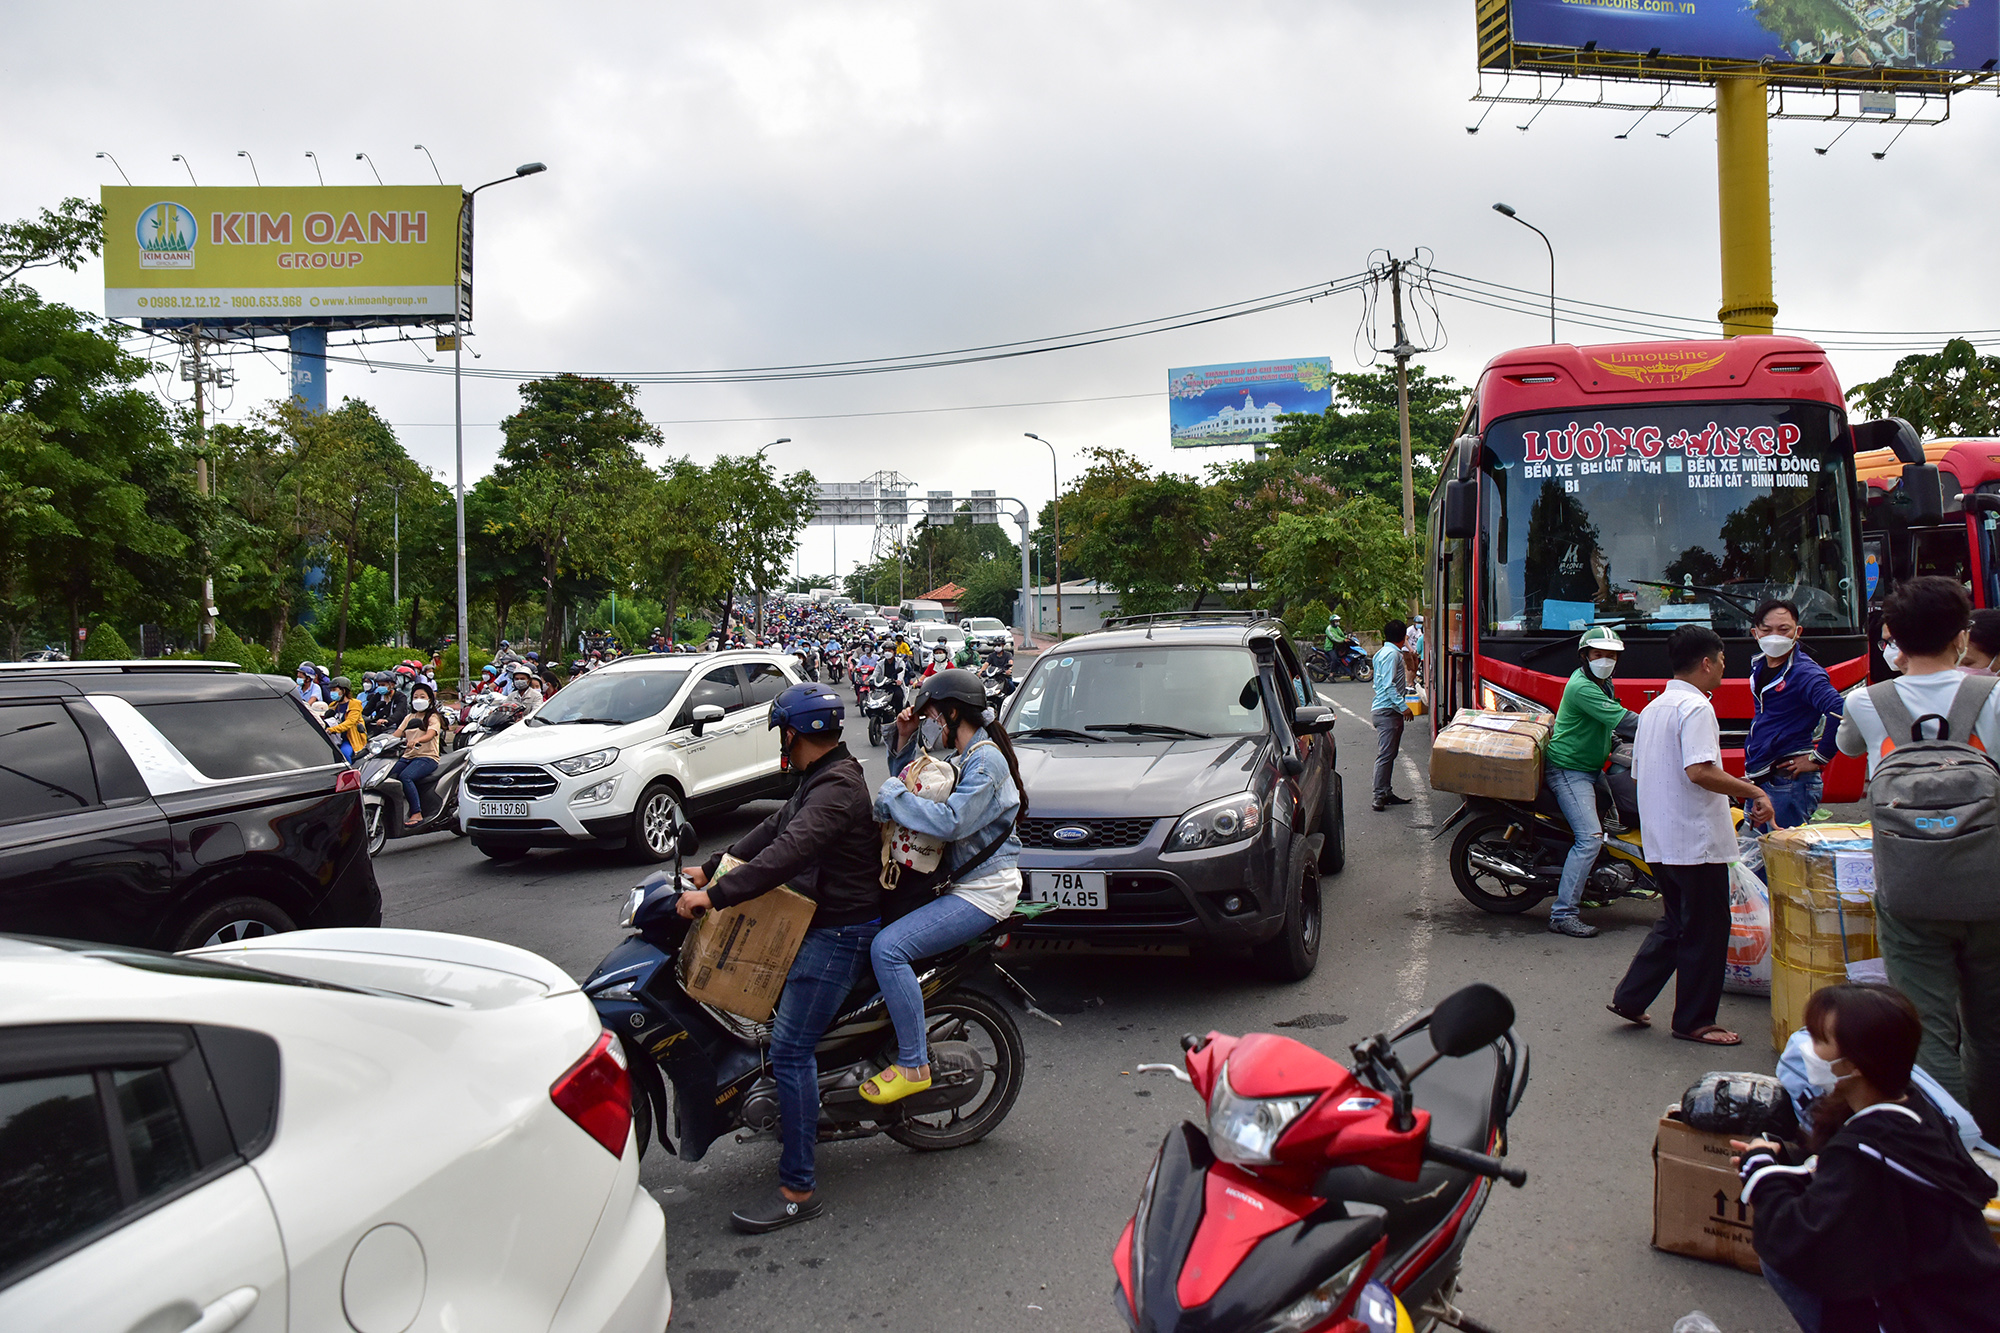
1948, 965
1690, 840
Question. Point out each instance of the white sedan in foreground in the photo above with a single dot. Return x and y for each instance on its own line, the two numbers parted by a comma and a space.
361, 1131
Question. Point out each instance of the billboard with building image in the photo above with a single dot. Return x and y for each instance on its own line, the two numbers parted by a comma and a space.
1240, 403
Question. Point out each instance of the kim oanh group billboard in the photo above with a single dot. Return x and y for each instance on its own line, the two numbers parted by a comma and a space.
1946, 35
1240, 403
271, 255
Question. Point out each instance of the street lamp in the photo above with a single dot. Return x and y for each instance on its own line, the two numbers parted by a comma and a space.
190, 170
1508, 212
458, 422
396, 577
1057, 502
244, 153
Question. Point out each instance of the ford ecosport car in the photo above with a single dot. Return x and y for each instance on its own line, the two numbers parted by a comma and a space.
1181, 789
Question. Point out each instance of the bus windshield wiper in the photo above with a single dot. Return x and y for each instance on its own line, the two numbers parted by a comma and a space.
1148, 729
1057, 734
1747, 608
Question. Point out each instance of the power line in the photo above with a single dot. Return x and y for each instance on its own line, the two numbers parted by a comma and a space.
839, 416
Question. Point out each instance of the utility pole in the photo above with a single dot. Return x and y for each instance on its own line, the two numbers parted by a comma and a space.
396, 576
1403, 351
205, 633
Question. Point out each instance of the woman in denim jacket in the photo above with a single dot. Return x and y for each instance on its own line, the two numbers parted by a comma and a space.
981, 812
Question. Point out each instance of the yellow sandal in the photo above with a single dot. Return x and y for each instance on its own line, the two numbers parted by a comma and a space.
891, 1086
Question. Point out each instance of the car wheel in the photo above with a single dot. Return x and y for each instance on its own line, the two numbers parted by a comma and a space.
231, 920
1486, 867
656, 823
1294, 952
375, 818
1333, 824
494, 852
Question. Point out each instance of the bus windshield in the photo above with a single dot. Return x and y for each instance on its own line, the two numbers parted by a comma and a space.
1648, 518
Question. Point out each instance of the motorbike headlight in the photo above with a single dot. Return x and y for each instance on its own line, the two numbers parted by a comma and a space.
585, 763
633, 902
1244, 1130
1312, 1309
1231, 819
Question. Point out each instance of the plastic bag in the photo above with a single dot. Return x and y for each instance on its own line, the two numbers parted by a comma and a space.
1748, 968
1727, 1103
902, 848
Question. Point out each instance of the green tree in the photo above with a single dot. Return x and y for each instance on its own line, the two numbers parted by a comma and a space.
571, 465
61, 237
1356, 447
26, 514
760, 517
1951, 392
992, 587
105, 644
1152, 542
299, 646
1249, 494
679, 553
1086, 503
1353, 558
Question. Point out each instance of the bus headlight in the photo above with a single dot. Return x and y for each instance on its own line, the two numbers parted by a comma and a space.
1496, 700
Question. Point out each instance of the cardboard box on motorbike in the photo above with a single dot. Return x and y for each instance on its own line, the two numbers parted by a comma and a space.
1493, 754
736, 958
1698, 1209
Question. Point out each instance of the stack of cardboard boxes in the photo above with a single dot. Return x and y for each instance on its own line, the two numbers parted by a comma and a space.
1822, 915
1491, 754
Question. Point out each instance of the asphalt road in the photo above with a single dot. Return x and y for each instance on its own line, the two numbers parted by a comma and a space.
1015, 1233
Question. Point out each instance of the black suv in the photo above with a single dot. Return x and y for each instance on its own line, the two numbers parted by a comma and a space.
1181, 790
172, 804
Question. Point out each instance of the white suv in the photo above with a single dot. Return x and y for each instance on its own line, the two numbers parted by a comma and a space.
615, 757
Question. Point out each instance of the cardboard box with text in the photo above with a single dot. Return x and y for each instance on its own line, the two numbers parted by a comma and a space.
736, 958
1698, 1209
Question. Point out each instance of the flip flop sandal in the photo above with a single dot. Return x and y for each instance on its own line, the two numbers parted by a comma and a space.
890, 1086
1636, 1020
1712, 1035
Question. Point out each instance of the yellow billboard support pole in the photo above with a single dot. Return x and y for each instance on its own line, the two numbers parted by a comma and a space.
1743, 190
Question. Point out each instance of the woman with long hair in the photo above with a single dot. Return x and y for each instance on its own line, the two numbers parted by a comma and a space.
1882, 1226
421, 730
981, 865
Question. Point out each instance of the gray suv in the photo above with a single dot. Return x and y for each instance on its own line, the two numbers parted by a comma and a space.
1181, 790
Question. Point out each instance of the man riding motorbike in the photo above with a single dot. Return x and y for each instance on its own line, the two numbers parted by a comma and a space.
940, 661
824, 844
527, 686
1586, 721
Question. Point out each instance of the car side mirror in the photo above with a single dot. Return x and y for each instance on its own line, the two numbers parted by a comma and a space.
705, 714
1312, 720
1461, 509
1469, 1019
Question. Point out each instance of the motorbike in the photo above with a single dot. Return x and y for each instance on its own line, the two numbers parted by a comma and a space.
1360, 1186
1509, 855
485, 716
885, 700
385, 805
1349, 663
717, 1064
836, 667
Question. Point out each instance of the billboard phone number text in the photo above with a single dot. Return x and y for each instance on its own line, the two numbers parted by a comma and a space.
220, 302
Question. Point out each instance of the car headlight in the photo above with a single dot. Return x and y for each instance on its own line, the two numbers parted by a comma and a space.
1243, 1130
596, 793
585, 763
1231, 819
1496, 700
1312, 1309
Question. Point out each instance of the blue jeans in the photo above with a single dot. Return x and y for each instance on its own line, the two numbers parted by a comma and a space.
1805, 1307
936, 926
1576, 793
409, 772
1793, 799
824, 972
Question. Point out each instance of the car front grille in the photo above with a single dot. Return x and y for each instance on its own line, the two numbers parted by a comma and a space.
521, 782
1105, 834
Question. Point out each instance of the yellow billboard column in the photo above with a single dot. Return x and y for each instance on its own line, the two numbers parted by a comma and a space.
1743, 188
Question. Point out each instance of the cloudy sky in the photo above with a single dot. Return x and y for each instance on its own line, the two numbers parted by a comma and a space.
767, 183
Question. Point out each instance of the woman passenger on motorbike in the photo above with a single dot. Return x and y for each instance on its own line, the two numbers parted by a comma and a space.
1585, 725
978, 819
420, 729
343, 718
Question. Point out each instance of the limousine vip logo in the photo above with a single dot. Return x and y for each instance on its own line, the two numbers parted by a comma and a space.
1663, 367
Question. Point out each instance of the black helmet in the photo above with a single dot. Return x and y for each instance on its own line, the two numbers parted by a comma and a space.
956, 684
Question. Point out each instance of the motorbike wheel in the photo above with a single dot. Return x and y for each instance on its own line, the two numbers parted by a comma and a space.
1293, 953
375, 818
1364, 671
1333, 823
1317, 669
874, 731
1484, 889
968, 1016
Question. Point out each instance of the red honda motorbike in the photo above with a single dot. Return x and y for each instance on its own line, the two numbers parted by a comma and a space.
1320, 1199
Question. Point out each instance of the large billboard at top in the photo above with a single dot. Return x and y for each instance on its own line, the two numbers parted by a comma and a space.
1240, 403
1961, 36
273, 254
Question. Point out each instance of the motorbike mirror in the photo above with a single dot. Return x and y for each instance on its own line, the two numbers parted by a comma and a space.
1468, 1019
690, 841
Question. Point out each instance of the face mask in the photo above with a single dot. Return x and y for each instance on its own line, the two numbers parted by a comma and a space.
1603, 667
1894, 657
333, 694
931, 734
1818, 1072
1776, 645
419, 705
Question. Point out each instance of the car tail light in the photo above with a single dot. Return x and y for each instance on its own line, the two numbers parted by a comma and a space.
596, 1092
349, 780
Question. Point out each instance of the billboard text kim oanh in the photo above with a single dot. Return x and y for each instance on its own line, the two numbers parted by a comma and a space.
1950, 35
324, 253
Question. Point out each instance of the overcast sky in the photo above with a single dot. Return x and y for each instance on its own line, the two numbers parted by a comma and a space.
764, 183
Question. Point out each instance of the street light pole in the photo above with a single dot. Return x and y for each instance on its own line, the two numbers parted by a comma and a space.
458, 421
1505, 211
1055, 480
396, 577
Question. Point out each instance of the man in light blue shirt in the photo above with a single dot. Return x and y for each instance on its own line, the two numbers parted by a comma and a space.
1390, 689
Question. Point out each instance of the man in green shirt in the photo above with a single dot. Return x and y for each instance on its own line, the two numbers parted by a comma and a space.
968, 656
1574, 762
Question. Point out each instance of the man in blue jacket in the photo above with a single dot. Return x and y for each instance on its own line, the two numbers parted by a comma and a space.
1797, 713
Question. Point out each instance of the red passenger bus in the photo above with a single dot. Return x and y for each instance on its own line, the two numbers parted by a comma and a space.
1645, 486
1961, 541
